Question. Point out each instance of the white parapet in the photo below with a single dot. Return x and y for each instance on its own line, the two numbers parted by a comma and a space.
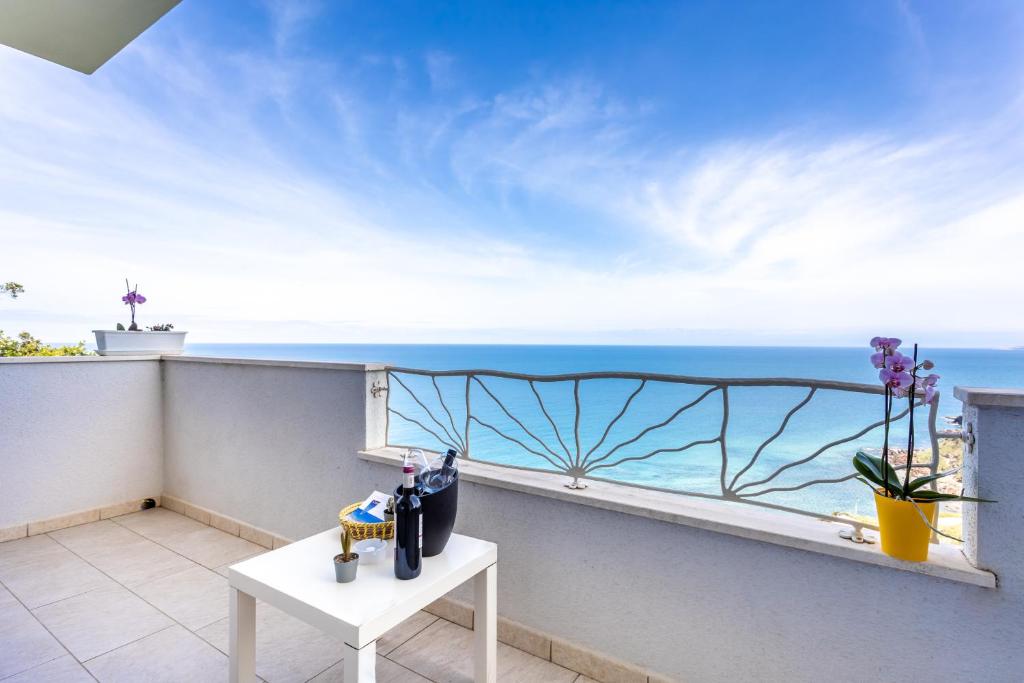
993, 428
77, 434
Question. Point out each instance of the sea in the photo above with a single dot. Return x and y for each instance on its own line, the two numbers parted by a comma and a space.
513, 425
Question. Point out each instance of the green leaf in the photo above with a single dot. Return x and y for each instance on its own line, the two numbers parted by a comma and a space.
868, 466
921, 481
867, 483
871, 467
927, 496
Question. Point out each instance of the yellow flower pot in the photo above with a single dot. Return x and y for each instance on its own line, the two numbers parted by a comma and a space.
905, 536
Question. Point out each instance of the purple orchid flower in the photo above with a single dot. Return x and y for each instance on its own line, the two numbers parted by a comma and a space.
886, 345
926, 385
897, 362
897, 380
132, 299
898, 374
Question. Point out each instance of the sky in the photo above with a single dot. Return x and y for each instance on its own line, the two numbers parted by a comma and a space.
527, 172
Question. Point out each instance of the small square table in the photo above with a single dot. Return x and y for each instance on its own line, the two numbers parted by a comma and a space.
299, 579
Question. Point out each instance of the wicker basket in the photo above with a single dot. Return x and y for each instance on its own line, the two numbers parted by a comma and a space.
362, 530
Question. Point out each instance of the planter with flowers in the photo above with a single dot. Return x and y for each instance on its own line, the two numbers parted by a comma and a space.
154, 340
906, 507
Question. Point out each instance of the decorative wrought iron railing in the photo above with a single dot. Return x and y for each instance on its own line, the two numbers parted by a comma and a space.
540, 423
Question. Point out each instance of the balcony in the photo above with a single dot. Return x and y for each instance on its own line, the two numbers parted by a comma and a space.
601, 580
143, 596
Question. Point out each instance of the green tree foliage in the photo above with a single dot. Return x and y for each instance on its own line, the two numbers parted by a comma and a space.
13, 289
26, 345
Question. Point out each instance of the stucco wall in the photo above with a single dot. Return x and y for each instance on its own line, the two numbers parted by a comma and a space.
704, 606
276, 447
271, 445
77, 434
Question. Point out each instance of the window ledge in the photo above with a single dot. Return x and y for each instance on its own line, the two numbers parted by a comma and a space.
784, 529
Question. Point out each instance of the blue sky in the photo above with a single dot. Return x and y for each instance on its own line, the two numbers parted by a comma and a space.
698, 172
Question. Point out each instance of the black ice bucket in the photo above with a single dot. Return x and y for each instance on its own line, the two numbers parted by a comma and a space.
439, 510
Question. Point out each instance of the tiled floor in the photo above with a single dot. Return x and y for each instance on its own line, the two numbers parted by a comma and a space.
143, 598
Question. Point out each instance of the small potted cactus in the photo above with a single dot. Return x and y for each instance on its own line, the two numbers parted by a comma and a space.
131, 341
346, 563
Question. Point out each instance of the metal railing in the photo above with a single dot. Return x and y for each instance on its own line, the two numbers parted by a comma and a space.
471, 400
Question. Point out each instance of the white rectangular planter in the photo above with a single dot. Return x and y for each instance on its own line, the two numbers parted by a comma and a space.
141, 343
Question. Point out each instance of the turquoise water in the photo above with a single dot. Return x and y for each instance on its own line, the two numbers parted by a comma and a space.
755, 413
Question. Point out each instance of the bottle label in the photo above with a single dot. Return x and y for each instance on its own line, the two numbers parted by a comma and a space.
419, 536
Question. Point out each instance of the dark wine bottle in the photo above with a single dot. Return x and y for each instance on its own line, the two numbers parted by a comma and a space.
408, 528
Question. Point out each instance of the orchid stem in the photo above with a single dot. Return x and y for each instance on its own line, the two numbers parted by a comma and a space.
885, 442
910, 431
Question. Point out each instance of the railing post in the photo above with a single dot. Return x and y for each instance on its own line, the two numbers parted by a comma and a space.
993, 428
376, 395
469, 412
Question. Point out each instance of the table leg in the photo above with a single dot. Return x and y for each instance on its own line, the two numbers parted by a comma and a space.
242, 645
485, 625
361, 664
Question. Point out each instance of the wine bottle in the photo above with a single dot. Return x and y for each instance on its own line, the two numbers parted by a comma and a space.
439, 475
448, 469
408, 528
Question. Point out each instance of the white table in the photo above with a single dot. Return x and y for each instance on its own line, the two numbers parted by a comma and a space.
299, 579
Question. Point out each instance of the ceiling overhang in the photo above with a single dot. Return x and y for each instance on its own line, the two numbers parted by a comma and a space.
79, 34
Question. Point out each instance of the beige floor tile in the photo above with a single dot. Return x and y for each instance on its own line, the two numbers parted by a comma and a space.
443, 652
11, 533
223, 569
101, 620
158, 524
594, 664
54, 523
195, 598
26, 550
404, 631
24, 643
61, 670
38, 570
125, 556
211, 547
387, 672
118, 509
524, 638
169, 656
287, 649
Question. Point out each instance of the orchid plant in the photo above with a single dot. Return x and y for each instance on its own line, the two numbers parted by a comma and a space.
903, 377
132, 299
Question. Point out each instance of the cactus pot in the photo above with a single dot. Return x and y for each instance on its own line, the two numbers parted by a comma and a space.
345, 571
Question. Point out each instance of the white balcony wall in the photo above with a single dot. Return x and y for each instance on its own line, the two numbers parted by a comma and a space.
276, 446
77, 434
270, 444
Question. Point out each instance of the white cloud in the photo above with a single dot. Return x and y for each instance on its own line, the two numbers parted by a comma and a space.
798, 237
